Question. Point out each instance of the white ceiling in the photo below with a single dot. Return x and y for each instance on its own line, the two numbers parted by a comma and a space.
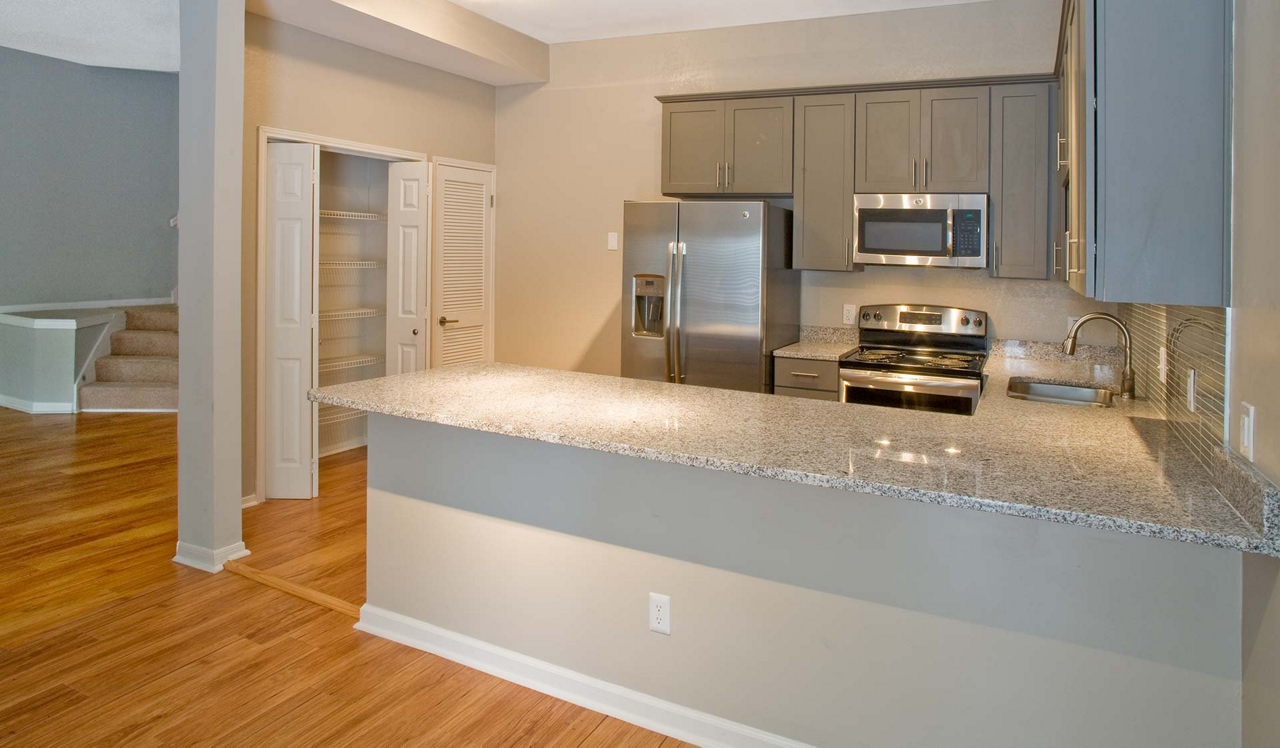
139, 34
554, 21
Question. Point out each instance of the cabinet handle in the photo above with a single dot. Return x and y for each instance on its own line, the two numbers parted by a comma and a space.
1070, 241
846, 252
926, 174
728, 175
717, 175
913, 173
1061, 142
804, 374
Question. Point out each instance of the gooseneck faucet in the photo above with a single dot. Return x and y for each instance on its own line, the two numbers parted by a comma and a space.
1069, 347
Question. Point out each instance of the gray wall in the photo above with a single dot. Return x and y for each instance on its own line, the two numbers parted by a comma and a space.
88, 181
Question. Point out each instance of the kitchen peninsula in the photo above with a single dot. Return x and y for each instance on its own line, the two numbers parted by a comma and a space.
822, 559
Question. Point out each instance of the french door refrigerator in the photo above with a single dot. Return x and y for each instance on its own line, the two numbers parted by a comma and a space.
707, 292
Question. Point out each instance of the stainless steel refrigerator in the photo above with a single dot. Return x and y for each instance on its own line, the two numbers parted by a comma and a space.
707, 292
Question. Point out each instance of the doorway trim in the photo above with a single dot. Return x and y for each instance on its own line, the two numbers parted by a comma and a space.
266, 135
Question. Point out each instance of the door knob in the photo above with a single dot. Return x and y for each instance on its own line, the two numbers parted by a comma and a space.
415, 331
445, 321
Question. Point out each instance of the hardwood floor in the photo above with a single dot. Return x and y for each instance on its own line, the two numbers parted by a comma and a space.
105, 641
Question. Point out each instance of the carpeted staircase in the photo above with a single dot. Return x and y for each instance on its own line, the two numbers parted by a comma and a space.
142, 371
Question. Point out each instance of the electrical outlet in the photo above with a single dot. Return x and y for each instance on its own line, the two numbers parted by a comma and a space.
1164, 365
659, 613
613, 241
1071, 322
1191, 390
851, 314
1247, 420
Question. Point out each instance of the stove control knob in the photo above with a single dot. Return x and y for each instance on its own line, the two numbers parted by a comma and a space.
866, 316
878, 316
977, 322
964, 321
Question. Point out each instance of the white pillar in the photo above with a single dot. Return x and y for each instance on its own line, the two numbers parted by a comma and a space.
210, 143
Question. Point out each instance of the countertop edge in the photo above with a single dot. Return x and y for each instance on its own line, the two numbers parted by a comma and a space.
1259, 545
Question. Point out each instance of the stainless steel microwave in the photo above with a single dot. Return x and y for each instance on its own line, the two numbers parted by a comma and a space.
933, 230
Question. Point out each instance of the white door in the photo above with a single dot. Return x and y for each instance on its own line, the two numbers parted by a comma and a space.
408, 198
462, 264
291, 218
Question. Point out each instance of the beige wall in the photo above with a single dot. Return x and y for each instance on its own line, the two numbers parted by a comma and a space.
570, 151
298, 80
1254, 339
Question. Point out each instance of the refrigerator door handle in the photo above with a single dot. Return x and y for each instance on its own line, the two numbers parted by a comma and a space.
678, 352
667, 327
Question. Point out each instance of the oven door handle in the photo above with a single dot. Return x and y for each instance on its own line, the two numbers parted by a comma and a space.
921, 383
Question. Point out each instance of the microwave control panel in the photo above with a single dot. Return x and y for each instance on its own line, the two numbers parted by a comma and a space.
966, 232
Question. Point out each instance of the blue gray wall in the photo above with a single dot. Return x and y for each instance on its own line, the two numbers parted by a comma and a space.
88, 181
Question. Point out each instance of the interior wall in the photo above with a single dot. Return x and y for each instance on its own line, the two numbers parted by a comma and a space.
298, 80
1255, 346
88, 181
571, 151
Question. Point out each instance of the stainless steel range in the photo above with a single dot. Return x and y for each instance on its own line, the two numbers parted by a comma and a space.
917, 357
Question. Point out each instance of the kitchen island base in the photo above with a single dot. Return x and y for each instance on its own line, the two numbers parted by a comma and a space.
798, 613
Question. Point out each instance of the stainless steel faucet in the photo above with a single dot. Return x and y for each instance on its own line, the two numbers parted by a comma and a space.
1069, 347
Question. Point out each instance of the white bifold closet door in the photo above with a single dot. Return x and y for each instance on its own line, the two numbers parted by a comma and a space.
462, 265
291, 216
408, 205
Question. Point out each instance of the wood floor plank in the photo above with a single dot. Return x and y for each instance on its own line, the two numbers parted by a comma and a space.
105, 641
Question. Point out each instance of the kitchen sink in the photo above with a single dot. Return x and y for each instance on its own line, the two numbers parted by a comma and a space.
1063, 394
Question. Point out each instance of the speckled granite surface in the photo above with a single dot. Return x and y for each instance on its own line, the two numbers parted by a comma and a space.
1120, 469
818, 334
815, 351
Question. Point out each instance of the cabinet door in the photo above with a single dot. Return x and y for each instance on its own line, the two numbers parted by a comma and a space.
887, 136
823, 182
692, 147
758, 140
955, 137
1020, 156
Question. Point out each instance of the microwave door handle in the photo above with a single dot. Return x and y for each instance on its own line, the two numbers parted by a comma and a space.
950, 239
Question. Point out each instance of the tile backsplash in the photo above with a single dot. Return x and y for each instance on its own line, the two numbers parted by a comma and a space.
1196, 339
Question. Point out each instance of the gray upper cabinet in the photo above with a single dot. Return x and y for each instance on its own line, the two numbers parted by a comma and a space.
1020, 179
758, 143
693, 147
954, 130
1163, 145
824, 128
887, 137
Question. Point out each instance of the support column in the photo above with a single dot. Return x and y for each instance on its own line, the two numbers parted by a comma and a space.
210, 143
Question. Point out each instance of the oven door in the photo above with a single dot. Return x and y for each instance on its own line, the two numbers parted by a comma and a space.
911, 391
905, 229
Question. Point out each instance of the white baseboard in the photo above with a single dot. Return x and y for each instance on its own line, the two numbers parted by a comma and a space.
673, 720
250, 500
101, 304
206, 559
28, 406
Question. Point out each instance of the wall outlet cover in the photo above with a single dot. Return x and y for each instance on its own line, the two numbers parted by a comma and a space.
659, 613
613, 241
1248, 420
851, 314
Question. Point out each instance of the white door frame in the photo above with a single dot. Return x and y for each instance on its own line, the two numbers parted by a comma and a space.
493, 248
336, 145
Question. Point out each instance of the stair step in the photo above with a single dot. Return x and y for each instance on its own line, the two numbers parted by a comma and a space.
118, 396
144, 343
137, 369
156, 317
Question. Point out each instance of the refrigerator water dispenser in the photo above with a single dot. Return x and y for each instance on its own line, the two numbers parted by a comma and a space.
649, 293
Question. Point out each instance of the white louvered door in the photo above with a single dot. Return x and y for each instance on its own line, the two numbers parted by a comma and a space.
462, 264
290, 328
408, 195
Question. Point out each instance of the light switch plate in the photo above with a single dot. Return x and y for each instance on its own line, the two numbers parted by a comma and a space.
613, 241
1247, 426
851, 314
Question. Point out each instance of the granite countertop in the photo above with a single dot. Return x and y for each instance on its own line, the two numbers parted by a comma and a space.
1120, 469
814, 350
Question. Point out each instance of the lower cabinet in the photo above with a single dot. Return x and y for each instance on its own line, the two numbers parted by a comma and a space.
801, 377
1020, 176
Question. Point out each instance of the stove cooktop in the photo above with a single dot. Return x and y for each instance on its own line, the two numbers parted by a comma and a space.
955, 363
